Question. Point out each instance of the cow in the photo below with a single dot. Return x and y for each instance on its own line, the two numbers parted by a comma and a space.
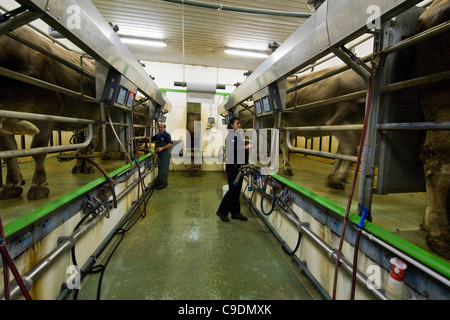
432, 57
338, 113
22, 97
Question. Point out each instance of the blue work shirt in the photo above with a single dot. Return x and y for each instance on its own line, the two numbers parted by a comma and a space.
162, 139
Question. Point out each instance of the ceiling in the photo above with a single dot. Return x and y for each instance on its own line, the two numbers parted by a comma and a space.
207, 31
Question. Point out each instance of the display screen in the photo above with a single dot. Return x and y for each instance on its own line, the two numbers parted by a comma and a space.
122, 95
258, 107
266, 104
157, 114
130, 99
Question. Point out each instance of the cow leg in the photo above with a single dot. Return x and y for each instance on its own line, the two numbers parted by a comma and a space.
436, 221
287, 169
332, 182
39, 189
83, 166
14, 180
348, 146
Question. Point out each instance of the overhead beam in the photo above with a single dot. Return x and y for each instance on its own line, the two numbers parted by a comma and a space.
81, 22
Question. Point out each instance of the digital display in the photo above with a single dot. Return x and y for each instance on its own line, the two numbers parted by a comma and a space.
258, 107
266, 104
157, 114
122, 95
130, 99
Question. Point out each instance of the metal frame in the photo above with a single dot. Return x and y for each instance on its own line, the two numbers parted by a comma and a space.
117, 56
329, 27
98, 39
34, 151
328, 30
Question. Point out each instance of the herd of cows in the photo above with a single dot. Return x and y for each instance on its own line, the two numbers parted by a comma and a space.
431, 57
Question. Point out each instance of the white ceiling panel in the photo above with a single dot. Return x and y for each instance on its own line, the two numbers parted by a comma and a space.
207, 31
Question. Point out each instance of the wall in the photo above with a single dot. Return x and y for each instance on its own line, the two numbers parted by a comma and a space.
213, 138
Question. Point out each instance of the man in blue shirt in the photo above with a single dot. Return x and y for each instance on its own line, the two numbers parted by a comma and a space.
163, 146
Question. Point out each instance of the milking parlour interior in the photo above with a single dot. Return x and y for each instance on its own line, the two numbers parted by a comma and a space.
224, 150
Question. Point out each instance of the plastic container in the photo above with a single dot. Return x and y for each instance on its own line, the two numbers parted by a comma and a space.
395, 287
225, 189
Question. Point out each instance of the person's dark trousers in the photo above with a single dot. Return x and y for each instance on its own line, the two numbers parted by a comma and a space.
163, 170
230, 202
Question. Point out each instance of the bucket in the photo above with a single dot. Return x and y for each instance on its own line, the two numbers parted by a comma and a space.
225, 189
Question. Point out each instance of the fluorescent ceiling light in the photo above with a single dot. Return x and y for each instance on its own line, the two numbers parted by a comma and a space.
143, 42
247, 53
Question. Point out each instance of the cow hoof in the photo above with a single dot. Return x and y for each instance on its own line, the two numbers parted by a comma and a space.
89, 169
422, 225
288, 172
335, 183
38, 192
10, 192
77, 169
439, 245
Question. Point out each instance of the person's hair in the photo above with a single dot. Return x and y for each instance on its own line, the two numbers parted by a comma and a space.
162, 124
231, 122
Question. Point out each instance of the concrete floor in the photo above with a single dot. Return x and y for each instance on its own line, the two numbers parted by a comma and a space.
182, 250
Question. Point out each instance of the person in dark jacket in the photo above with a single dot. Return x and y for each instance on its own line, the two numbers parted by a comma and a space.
163, 143
235, 158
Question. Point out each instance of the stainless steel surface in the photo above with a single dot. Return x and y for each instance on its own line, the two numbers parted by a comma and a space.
64, 245
41, 150
316, 152
334, 24
93, 34
347, 266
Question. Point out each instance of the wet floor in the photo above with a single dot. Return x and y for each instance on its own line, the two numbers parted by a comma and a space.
182, 250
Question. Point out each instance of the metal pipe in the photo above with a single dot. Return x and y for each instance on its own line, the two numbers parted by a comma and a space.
34, 151
437, 77
349, 127
51, 55
415, 126
240, 9
42, 84
345, 97
43, 117
331, 55
67, 243
302, 264
431, 32
19, 21
93, 258
407, 258
317, 153
331, 253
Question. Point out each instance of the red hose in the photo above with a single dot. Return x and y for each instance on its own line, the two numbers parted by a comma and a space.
355, 176
8, 263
